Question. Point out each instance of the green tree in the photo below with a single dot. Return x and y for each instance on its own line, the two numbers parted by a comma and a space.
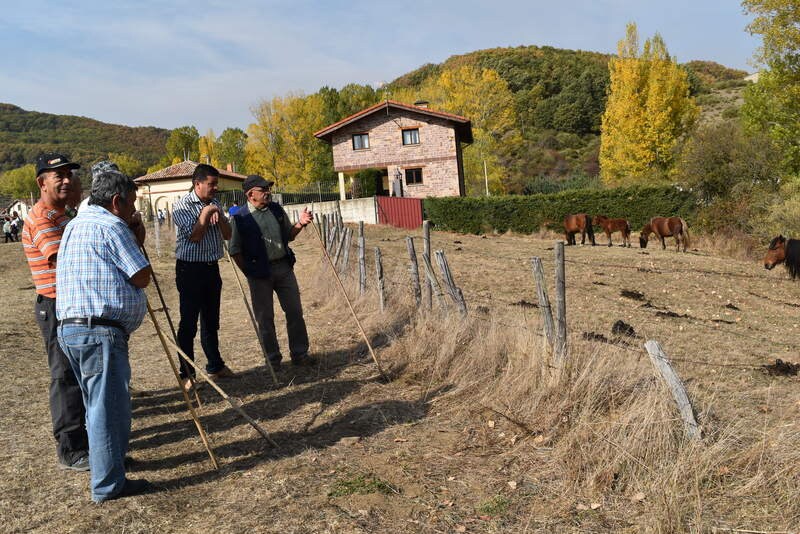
772, 104
183, 143
231, 148
648, 111
128, 164
20, 182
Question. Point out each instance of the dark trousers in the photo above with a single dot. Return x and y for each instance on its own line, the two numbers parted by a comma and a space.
283, 283
66, 399
199, 288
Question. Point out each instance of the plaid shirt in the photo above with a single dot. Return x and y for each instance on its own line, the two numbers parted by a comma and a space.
185, 213
97, 258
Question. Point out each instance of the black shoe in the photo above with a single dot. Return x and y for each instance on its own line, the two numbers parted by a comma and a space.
276, 365
304, 361
80, 463
132, 488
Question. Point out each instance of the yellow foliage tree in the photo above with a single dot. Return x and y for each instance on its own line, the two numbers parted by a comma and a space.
281, 145
648, 111
207, 145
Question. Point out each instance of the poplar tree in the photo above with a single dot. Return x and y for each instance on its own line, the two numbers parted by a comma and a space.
648, 111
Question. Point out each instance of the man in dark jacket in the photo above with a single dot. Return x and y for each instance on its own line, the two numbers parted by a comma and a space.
259, 245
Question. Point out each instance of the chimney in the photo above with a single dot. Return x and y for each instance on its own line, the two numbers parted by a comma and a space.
421, 104
229, 167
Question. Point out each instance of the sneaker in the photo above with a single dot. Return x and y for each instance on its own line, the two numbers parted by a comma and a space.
225, 372
81, 463
304, 360
132, 488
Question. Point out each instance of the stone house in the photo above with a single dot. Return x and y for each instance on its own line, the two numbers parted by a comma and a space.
417, 150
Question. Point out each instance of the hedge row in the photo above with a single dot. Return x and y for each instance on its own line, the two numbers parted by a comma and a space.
526, 214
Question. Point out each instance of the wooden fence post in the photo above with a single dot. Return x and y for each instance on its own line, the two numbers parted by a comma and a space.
157, 228
362, 260
379, 276
348, 236
544, 301
333, 238
426, 251
452, 288
435, 287
339, 247
412, 255
561, 305
668, 374
324, 228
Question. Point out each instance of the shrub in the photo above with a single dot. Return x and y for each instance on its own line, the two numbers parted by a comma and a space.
527, 214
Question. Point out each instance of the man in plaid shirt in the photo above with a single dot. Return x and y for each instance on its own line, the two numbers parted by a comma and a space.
200, 227
102, 273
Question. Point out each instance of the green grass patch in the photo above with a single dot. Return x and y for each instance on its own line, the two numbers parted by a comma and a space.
494, 507
361, 485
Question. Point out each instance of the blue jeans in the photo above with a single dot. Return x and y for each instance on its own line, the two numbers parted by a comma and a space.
99, 357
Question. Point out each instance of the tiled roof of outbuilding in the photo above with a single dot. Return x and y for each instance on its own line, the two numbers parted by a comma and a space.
184, 169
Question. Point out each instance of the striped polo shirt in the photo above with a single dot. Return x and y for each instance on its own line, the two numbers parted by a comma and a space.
185, 213
41, 238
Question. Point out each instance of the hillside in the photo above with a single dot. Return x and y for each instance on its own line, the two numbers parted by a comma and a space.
560, 96
25, 134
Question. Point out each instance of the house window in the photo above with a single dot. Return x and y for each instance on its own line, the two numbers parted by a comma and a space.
413, 176
360, 141
411, 137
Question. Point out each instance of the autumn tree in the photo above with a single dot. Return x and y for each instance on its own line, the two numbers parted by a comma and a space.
20, 182
648, 111
231, 148
772, 104
183, 143
127, 164
207, 148
281, 144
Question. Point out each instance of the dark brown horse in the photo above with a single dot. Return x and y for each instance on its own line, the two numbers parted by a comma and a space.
614, 225
580, 222
666, 227
786, 251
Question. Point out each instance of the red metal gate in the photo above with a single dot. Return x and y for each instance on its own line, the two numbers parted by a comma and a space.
400, 212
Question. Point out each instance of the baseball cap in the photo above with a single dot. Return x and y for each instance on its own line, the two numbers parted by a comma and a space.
52, 160
255, 180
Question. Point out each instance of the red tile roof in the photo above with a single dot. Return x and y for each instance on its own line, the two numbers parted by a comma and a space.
463, 124
184, 169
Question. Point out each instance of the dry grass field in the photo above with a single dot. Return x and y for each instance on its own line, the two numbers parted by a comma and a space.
476, 432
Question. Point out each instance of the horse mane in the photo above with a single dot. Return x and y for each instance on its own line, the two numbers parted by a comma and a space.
774, 242
792, 255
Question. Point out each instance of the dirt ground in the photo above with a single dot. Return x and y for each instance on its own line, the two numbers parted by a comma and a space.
357, 455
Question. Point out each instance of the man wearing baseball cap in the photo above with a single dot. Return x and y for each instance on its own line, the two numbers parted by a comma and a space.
41, 238
260, 235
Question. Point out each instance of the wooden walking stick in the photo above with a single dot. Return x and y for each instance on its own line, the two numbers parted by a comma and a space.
166, 312
235, 403
252, 317
186, 398
349, 304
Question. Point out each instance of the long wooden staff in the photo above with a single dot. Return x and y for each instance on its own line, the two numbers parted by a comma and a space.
163, 339
235, 403
251, 315
347, 299
169, 319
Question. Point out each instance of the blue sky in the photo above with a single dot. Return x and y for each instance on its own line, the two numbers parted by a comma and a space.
208, 62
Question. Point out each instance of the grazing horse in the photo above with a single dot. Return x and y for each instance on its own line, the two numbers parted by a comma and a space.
580, 222
786, 251
615, 225
666, 227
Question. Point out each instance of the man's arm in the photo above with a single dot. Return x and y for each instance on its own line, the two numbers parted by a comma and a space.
305, 220
142, 278
209, 216
237, 258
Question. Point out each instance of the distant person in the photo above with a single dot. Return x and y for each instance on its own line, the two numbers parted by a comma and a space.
7, 230
41, 240
15, 224
233, 210
260, 237
200, 227
102, 274
160, 216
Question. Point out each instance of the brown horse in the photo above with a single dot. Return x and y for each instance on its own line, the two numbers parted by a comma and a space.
786, 251
666, 227
580, 222
615, 225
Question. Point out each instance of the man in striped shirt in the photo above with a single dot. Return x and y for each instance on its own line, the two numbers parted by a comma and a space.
200, 227
41, 239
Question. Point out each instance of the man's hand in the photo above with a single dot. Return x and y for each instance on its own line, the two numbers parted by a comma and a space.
137, 227
306, 217
209, 214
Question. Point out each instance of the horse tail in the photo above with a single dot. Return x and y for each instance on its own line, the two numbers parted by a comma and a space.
685, 233
792, 257
589, 228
